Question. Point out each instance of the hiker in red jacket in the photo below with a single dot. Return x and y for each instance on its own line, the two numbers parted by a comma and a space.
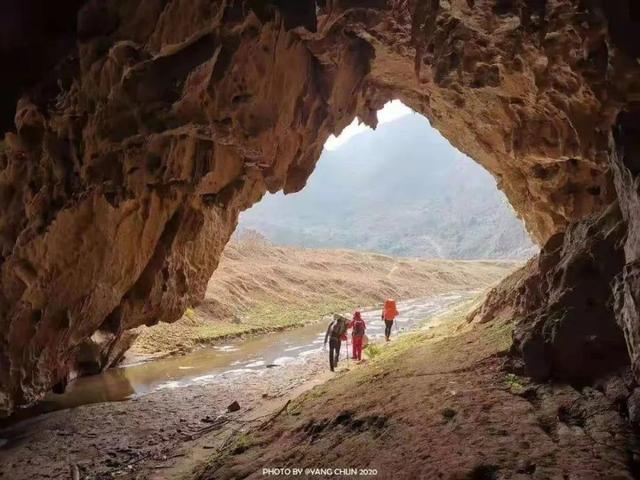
357, 334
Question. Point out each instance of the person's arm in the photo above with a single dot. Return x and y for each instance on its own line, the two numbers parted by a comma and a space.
326, 335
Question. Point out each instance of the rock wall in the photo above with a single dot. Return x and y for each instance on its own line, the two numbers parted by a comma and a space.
130, 161
625, 160
567, 327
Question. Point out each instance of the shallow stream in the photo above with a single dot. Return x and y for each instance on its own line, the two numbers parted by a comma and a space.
232, 358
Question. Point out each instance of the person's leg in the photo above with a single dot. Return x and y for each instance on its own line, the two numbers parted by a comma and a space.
387, 328
354, 341
357, 348
338, 345
331, 353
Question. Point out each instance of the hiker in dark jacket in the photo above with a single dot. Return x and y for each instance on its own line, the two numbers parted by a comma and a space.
336, 332
357, 334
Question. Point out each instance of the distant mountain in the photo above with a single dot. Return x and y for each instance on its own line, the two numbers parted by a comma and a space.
401, 190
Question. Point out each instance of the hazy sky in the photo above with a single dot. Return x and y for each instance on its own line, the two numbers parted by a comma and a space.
390, 112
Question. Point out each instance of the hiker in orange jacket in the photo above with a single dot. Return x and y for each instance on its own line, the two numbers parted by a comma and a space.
389, 313
357, 334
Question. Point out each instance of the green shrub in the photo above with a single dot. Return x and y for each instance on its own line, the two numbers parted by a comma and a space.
190, 313
514, 383
372, 350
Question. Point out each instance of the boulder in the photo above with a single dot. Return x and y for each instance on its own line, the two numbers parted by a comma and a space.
568, 327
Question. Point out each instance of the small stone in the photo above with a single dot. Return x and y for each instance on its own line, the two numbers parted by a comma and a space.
234, 407
615, 389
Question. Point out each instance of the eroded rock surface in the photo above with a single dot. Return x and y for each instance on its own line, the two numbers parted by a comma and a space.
568, 328
131, 160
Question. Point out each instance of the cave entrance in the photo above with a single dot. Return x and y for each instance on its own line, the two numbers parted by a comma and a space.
376, 218
183, 129
392, 212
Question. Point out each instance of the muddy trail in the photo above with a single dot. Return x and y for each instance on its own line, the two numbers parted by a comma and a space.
154, 419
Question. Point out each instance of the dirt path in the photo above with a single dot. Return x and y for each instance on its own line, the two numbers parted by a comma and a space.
165, 433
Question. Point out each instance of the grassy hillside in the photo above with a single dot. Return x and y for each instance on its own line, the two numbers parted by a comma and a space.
438, 404
261, 287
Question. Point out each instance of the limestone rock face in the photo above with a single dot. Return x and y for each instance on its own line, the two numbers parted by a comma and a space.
132, 158
567, 327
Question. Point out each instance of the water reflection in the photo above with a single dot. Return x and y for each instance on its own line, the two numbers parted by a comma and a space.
110, 386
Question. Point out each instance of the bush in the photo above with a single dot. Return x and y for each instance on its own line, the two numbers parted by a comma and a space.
372, 350
190, 313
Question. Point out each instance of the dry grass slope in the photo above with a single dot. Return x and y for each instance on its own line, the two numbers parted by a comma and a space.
260, 287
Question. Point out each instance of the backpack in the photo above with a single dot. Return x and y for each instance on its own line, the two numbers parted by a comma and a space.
358, 328
390, 311
338, 328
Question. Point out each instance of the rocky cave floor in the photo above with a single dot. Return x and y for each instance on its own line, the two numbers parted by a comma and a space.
437, 404
155, 436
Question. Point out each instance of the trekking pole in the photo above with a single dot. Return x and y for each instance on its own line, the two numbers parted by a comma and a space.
347, 341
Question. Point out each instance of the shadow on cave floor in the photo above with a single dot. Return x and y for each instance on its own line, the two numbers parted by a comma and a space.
437, 403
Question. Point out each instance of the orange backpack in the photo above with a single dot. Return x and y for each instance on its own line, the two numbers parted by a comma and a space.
390, 311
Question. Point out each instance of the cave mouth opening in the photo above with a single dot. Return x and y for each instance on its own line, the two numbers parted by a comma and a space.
401, 189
